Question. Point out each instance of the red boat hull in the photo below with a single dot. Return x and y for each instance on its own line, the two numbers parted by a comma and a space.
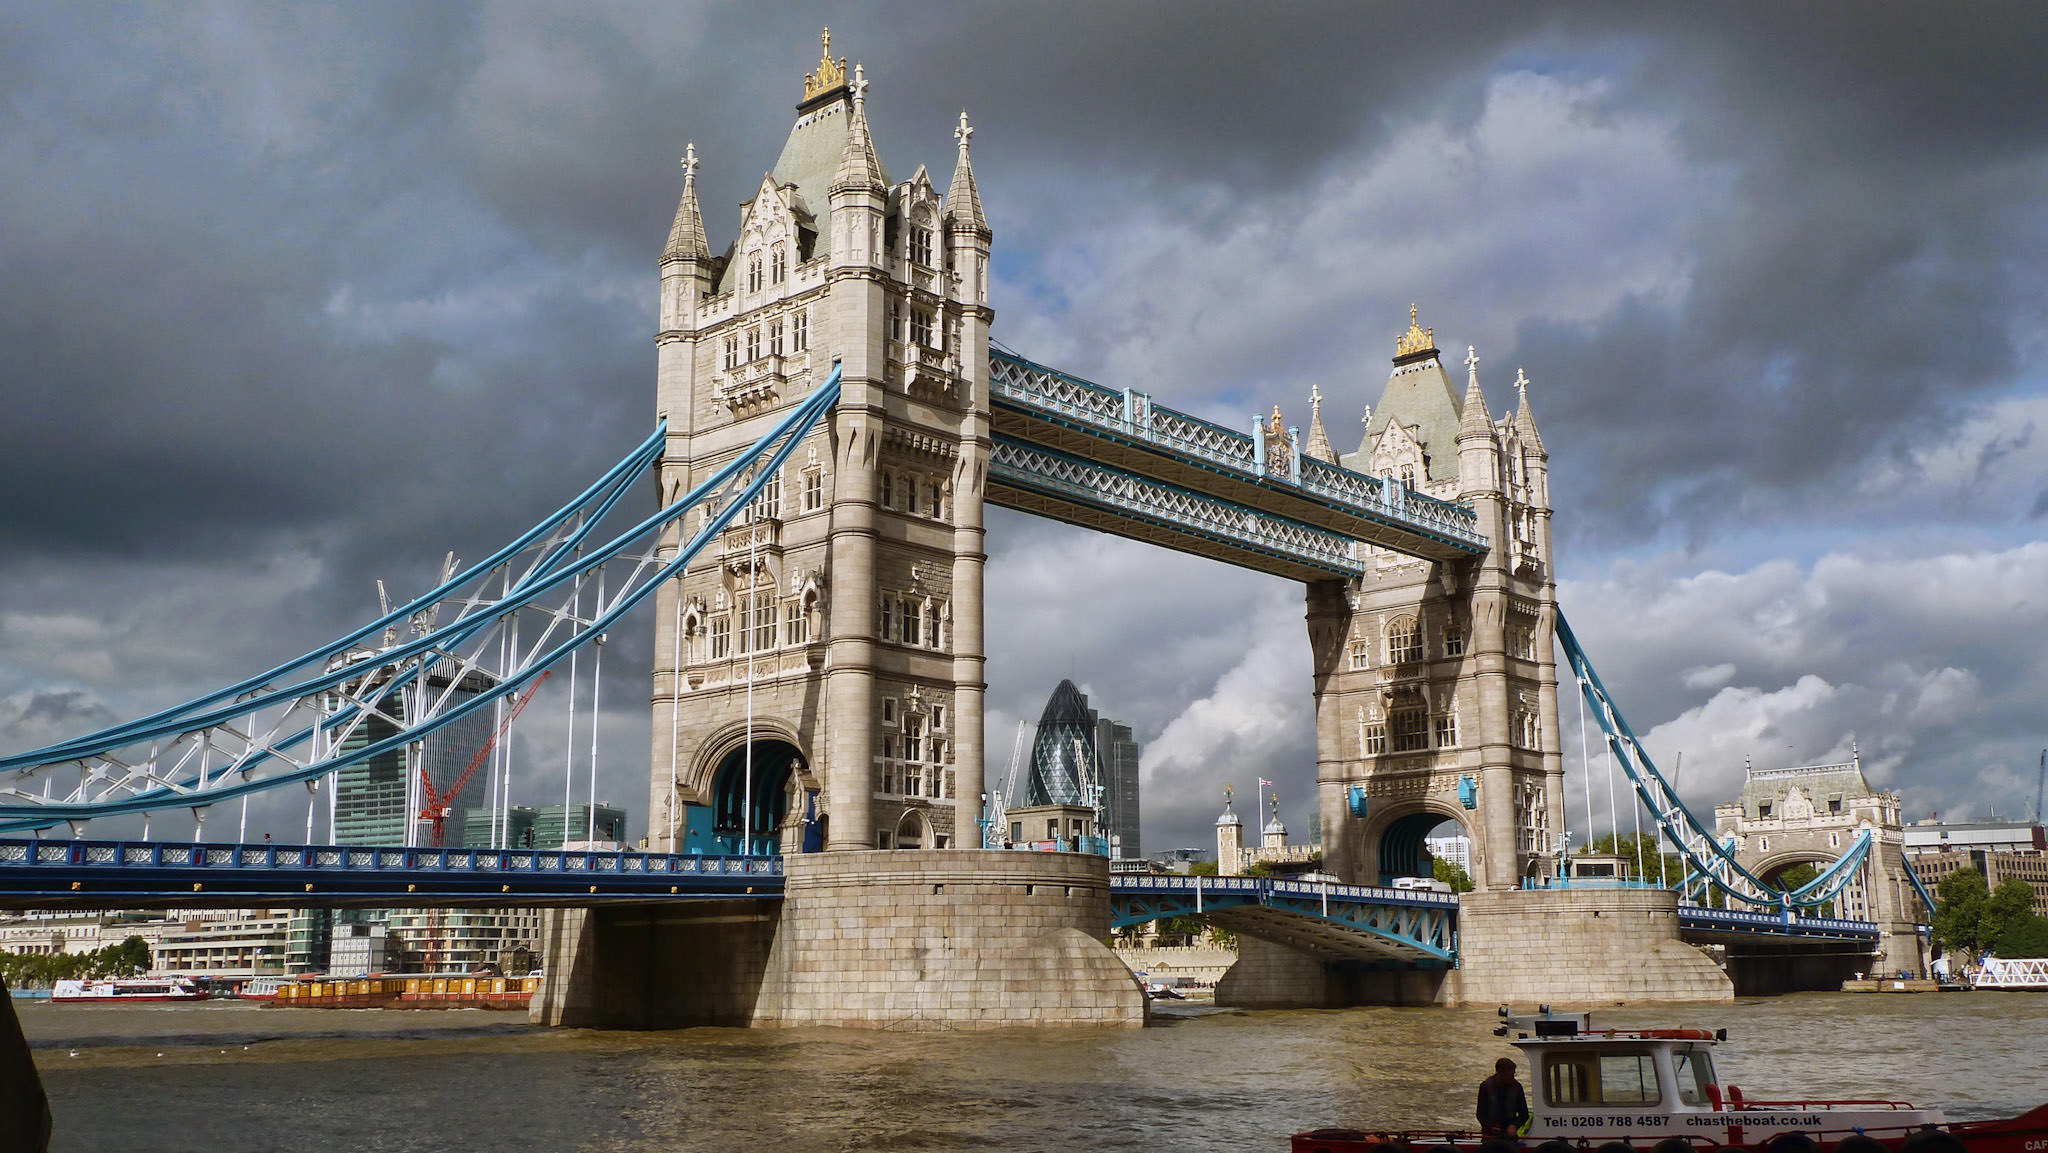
2026, 1133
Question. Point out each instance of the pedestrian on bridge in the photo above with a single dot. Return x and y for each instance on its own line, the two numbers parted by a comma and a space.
1503, 1108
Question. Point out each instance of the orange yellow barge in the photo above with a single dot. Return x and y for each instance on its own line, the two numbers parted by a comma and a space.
409, 992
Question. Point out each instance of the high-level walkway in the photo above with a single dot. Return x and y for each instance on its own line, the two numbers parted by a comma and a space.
1116, 462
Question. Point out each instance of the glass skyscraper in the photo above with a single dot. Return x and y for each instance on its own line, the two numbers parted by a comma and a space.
370, 795
1076, 751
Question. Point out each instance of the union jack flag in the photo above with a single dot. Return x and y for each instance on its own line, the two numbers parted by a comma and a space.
1265, 782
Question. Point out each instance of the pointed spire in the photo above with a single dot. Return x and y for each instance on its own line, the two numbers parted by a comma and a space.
1318, 438
859, 167
1525, 421
686, 235
963, 198
1474, 422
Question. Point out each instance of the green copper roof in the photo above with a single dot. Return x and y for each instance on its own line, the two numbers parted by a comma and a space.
1419, 395
809, 159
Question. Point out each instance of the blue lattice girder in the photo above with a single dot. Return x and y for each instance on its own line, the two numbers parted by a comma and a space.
1033, 479
1057, 411
1337, 922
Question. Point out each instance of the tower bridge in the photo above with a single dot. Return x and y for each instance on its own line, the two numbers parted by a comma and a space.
832, 419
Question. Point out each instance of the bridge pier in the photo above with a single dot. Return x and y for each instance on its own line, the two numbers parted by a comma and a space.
654, 966
1759, 970
934, 939
1556, 946
1269, 975
1579, 947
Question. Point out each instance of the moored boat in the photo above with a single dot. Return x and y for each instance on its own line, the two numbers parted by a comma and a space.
261, 988
127, 990
1656, 1090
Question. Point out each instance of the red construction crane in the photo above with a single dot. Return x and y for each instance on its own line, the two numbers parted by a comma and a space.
433, 805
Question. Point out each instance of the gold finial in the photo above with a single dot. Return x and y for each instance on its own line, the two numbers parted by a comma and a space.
1417, 340
1276, 419
829, 75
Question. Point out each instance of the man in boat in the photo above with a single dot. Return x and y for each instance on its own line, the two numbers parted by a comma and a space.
1503, 1108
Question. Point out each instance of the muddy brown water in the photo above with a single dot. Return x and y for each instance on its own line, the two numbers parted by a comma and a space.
225, 1077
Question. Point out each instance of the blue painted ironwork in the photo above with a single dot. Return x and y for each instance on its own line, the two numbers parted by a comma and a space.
1712, 861
1181, 519
1696, 920
47, 874
270, 736
1926, 898
1357, 921
1129, 418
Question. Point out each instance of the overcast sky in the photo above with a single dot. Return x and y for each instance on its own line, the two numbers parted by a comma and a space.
296, 297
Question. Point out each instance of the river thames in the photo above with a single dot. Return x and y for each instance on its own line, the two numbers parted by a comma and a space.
227, 1077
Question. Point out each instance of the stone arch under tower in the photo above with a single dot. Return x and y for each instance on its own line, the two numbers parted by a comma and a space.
786, 816
1393, 842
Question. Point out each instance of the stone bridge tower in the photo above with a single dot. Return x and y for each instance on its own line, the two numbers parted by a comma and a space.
1811, 815
843, 613
1435, 682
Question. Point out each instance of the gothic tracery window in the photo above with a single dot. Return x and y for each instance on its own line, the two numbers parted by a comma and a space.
1404, 641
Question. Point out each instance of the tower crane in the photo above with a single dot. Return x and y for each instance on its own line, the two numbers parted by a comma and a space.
434, 805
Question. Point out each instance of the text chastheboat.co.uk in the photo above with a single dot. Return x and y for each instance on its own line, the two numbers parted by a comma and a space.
1755, 1120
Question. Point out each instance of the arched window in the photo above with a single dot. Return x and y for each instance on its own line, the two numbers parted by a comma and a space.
754, 273
1404, 641
780, 264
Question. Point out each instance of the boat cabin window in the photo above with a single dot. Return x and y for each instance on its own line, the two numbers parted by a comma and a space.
1603, 1079
1695, 1071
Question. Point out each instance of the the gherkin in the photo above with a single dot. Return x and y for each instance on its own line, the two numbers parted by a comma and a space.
1063, 760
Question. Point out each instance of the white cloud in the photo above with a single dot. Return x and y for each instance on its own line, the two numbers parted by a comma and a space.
1928, 666
1709, 676
1548, 205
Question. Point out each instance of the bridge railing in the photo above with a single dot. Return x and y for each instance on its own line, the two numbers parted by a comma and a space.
145, 855
1262, 886
1779, 921
1133, 415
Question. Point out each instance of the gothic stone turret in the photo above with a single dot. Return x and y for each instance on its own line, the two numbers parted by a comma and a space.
1436, 687
851, 595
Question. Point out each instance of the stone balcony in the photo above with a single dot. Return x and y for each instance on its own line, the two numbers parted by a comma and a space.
927, 374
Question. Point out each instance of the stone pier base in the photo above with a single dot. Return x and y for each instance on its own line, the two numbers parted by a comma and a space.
1273, 976
1549, 946
654, 966
1578, 947
947, 939
942, 939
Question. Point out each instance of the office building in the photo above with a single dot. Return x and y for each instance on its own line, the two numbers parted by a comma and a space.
371, 796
